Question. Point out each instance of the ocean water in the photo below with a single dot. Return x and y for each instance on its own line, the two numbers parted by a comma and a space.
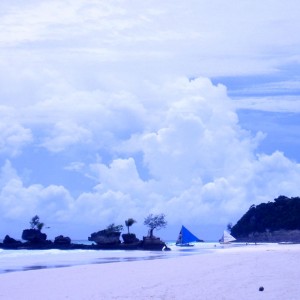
24, 260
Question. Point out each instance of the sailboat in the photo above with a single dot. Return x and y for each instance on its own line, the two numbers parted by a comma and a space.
226, 238
185, 237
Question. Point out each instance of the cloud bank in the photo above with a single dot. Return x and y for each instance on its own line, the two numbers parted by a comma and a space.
107, 112
180, 151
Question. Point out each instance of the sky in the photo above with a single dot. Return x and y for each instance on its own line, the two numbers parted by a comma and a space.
112, 110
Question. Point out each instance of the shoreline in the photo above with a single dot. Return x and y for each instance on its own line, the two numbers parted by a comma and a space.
223, 273
23, 260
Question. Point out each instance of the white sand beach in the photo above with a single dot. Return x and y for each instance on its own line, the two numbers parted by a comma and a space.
229, 273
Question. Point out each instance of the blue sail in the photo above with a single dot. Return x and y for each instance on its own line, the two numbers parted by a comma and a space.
185, 236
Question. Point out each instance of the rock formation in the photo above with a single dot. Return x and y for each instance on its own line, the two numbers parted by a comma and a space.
130, 238
105, 237
34, 236
11, 242
62, 240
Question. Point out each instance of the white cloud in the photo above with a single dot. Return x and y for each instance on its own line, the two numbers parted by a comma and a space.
13, 135
120, 175
285, 104
191, 38
277, 174
20, 203
66, 134
198, 165
105, 87
75, 166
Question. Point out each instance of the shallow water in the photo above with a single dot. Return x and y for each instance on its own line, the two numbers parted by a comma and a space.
25, 260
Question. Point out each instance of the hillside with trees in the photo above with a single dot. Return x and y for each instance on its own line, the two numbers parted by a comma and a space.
281, 215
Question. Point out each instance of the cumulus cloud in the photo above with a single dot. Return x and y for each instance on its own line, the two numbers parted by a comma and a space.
199, 162
19, 203
13, 135
187, 157
113, 93
66, 134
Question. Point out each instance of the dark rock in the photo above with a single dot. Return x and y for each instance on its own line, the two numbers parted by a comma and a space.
130, 238
40, 245
11, 242
34, 236
152, 243
62, 240
105, 237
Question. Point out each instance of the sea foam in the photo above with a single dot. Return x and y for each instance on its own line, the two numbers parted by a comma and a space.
23, 260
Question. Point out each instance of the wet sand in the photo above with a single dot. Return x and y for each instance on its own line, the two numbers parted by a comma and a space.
227, 273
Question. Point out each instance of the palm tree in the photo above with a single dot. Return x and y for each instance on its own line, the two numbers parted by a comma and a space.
129, 223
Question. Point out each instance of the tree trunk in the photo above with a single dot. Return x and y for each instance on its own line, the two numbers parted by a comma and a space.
151, 232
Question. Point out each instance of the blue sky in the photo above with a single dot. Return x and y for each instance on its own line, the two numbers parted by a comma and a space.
112, 110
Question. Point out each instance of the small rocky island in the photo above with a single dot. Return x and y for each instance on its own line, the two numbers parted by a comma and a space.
273, 222
107, 239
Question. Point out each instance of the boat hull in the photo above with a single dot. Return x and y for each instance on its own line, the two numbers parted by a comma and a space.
185, 245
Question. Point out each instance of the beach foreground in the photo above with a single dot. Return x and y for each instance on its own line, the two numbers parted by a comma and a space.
229, 273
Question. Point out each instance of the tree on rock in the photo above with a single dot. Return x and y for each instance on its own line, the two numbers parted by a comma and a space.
114, 228
36, 224
129, 223
34, 234
155, 222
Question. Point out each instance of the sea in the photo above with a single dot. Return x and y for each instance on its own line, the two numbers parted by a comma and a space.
25, 260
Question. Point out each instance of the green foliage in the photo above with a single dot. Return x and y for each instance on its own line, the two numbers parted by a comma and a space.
283, 213
40, 226
129, 223
114, 228
36, 224
155, 222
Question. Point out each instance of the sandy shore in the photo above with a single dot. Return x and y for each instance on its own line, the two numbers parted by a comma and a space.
230, 273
